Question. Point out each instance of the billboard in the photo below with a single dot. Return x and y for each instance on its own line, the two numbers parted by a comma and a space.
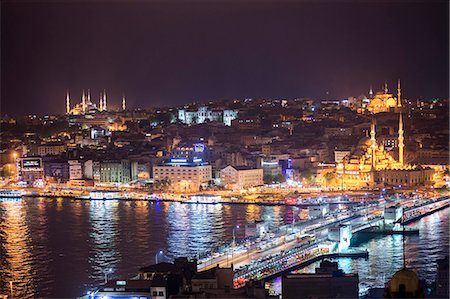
31, 163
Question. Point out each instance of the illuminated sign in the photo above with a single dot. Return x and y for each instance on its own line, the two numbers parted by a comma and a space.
269, 163
31, 163
177, 160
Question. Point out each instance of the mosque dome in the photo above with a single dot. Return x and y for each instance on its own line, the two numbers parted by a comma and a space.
404, 284
364, 142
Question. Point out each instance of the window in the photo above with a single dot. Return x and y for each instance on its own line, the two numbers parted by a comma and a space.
154, 293
161, 293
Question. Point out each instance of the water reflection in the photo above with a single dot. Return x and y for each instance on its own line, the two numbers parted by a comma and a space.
386, 254
103, 237
15, 243
61, 247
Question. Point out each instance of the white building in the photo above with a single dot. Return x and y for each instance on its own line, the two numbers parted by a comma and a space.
75, 170
183, 177
51, 149
241, 177
340, 155
203, 114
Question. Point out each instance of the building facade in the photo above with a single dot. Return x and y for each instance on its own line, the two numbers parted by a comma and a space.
113, 171
203, 114
51, 149
182, 176
241, 177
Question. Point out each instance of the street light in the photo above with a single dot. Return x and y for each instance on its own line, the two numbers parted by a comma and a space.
234, 243
156, 256
106, 274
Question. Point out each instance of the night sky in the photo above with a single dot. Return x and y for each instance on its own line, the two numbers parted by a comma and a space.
174, 53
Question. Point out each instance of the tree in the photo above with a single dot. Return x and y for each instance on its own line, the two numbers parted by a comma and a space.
268, 179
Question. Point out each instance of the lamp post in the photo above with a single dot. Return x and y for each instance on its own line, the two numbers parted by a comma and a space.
156, 256
106, 274
234, 243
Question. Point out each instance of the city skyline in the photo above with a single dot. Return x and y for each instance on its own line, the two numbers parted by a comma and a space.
163, 54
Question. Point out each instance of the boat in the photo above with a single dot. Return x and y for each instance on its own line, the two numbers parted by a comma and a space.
101, 195
7, 193
204, 198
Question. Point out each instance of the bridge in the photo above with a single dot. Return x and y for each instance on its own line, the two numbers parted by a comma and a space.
302, 243
413, 213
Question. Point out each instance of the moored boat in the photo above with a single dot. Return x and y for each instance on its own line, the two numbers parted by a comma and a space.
7, 193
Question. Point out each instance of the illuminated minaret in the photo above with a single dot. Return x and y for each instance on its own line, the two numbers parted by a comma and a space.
373, 144
123, 103
67, 103
101, 103
83, 102
104, 100
89, 96
385, 87
370, 93
401, 144
399, 93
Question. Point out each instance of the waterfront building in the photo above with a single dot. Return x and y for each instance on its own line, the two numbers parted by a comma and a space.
203, 114
56, 170
112, 171
373, 165
384, 101
183, 174
30, 169
327, 282
271, 166
75, 170
241, 177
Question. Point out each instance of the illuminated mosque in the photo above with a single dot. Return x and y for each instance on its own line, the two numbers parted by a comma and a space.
372, 165
383, 101
87, 106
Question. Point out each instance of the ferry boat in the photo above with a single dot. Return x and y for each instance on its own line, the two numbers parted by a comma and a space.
6, 193
101, 195
204, 198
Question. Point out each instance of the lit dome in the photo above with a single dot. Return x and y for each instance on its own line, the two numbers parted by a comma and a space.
404, 283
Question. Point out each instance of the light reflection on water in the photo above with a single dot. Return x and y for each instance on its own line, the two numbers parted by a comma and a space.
61, 247
386, 254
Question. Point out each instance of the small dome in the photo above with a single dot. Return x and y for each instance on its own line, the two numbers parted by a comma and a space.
404, 281
364, 142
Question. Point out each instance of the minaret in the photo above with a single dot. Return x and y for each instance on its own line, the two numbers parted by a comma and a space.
370, 93
83, 102
401, 144
104, 100
101, 103
385, 87
399, 93
89, 96
373, 144
123, 103
67, 103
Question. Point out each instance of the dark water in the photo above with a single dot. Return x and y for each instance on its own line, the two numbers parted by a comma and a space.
61, 247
